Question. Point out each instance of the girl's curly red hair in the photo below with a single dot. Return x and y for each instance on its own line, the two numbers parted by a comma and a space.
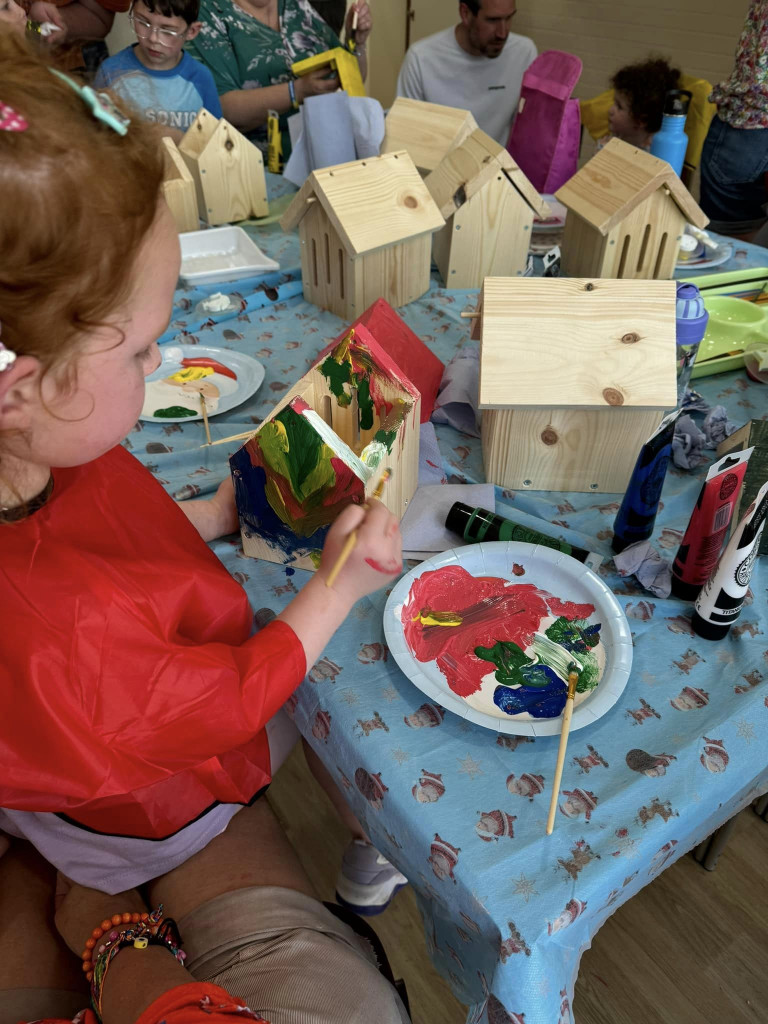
76, 201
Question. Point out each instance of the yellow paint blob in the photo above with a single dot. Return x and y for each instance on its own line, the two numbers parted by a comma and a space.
430, 618
190, 373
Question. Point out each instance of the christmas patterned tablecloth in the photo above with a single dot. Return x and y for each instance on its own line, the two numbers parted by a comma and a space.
459, 809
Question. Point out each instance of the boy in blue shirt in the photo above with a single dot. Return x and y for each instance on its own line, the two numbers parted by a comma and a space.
163, 83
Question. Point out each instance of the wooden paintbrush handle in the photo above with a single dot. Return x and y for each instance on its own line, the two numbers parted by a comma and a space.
567, 713
338, 565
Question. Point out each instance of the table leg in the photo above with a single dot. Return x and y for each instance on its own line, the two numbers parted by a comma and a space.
708, 852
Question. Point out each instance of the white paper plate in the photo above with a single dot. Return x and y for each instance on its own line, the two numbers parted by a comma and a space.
549, 570
250, 374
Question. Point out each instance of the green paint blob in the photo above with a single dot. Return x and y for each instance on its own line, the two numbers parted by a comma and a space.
364, 403
173, 412
386, 437
509, 660
315, 555
337, 375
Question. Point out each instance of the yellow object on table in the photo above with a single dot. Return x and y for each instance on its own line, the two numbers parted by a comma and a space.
274, 143
344, 63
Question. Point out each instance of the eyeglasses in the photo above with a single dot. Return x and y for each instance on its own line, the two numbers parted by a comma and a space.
144, 29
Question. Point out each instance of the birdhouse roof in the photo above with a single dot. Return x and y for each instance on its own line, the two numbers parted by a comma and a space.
371, 203
469, 167
426, 130
358, 347
570, 342
618, 179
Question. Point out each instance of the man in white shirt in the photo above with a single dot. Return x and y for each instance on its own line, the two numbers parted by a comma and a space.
477, 65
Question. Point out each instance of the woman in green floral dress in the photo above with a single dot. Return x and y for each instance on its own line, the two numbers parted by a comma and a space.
250, 45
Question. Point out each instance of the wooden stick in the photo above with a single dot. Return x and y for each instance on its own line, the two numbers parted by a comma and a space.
573, 678
234, 437
351, 540
205, 419
354, 21
467, 315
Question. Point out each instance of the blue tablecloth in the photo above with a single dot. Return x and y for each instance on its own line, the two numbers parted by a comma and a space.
506, 917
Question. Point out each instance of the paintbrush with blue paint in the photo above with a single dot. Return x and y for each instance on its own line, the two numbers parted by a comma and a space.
565, 664
351, 540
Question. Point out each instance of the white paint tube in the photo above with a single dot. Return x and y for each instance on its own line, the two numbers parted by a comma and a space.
719, 602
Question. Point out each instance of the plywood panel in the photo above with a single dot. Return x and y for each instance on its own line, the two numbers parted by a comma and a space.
427, 131
575, 342
646, 243
399, 274
582, 248
564, 449
490, 237
376, 202
325, 265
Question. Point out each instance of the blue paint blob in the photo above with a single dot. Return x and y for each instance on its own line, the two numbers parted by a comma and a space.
290, 572
543, 702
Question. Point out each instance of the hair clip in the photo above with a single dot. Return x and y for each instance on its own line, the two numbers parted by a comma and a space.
7, 357
102, 107
10, 120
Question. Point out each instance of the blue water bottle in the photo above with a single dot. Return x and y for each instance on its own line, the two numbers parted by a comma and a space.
671, 142
690, 327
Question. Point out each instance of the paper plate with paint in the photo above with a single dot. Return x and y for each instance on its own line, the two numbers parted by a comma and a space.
190, 373
489, 631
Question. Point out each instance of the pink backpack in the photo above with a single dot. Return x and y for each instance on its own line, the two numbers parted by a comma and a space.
544, 141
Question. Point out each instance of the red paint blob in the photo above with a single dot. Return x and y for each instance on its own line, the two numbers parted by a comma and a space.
389, 570
490, 608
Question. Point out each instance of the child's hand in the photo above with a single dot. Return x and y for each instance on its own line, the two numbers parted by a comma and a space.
376, 557
213, 517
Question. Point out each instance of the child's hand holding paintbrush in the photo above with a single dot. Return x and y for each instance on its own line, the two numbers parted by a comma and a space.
379, 527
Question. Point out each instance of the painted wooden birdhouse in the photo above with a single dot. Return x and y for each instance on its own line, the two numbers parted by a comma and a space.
324, 446
575, 375
626, 215
227, 169
179, 188
427, 131
489, 206
339, 61
365, 229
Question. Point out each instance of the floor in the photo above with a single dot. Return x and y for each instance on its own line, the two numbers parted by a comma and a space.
689, 949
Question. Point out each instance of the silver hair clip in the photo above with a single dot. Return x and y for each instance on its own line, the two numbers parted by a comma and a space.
102, 107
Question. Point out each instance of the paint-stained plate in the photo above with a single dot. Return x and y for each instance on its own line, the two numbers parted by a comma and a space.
567, 584
233, 378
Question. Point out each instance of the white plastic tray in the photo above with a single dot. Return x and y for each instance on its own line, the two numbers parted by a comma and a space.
221, 254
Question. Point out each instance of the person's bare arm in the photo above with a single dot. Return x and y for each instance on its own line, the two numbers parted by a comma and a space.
86, 19
136, 977
318, 610
213, 517
247, 109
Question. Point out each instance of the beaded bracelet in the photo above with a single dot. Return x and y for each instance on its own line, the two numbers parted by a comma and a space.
143, 930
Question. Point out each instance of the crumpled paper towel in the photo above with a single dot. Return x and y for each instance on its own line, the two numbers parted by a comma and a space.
456, 403
644, 561
688, 444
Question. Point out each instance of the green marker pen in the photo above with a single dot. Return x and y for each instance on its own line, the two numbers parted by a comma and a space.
478, 524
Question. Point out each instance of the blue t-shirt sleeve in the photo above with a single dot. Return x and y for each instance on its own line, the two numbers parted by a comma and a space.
207, 87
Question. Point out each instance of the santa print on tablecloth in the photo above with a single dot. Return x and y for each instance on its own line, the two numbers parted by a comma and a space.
714, 757
443, 857
494, 825
429, 788
526, 785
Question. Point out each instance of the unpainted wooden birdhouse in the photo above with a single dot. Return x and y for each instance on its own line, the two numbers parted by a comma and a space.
365, 230
324, 446
427, 131
575, 375
227, 169
627, 211
179, 188
489, 206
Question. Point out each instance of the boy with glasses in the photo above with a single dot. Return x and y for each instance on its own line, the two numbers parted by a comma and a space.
155, 75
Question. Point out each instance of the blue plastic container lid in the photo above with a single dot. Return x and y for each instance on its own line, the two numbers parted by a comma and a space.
691, 315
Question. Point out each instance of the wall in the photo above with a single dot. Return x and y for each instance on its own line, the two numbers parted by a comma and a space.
700, 36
